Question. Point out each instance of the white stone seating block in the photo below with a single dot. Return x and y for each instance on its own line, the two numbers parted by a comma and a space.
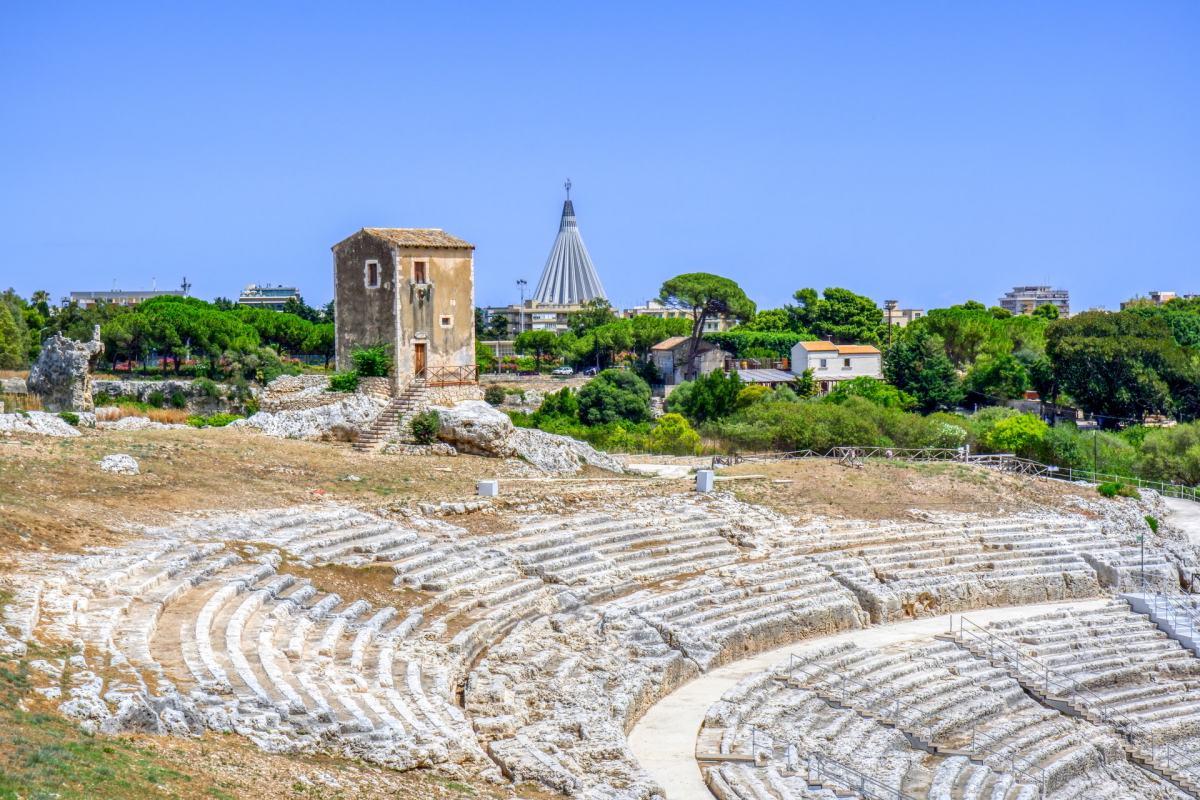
366, 634
337, 627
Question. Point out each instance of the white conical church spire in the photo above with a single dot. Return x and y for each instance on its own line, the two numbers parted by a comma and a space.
569, 277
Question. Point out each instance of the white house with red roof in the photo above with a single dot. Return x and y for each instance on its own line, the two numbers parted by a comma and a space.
831, 362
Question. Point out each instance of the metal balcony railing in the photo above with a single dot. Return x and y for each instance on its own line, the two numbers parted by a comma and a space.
449, 376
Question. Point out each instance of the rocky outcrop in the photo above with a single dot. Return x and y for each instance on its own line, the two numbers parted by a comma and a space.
119, 463
475, 427
353, 411
38, 422
62, 375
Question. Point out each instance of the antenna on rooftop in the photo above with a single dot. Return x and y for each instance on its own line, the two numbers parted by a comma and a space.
154, 284
185, 286
567, 186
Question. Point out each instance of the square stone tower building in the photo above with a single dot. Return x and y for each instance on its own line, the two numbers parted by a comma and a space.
412, 289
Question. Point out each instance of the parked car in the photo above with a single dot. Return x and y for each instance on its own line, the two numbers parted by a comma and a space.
590, 371
564, 372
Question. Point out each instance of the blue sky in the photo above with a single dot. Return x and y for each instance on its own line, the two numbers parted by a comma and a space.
926, 151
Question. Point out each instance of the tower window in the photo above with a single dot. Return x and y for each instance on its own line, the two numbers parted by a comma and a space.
420, 275
447, 322
372, 274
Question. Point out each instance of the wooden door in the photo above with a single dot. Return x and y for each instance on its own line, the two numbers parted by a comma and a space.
419, 359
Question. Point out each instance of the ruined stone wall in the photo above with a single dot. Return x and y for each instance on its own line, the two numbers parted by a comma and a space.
365, 316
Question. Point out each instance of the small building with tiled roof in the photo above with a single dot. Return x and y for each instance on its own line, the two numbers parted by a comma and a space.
670, 356
413, 290
831, 362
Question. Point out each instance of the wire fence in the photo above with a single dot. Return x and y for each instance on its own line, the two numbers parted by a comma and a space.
1003, 462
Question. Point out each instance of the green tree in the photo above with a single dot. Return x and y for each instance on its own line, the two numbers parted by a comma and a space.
839, 315
804, 385
485, 359
593, 314
321, 341
612, 396
1002, 376
776, 320
538, 342
13, 345
707, 295
672, 434
1046, 311
648, 331
916, 363
1123, 365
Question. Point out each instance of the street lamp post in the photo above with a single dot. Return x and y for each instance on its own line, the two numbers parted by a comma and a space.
521, 284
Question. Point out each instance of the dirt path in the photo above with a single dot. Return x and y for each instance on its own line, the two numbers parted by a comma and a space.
1185, 515
664, 740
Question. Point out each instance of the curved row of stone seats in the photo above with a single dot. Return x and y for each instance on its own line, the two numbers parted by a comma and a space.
736, 610
953, 568
972, 723
748, 782
960, 702
608, 549
1126, 663
766, 721
266, 654
554, 699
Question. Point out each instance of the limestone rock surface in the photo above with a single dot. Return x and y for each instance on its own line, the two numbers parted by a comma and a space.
478, 428
120, 463
38, 422
355, 411
62, 375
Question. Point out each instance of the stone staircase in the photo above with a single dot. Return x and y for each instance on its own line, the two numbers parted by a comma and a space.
393, 419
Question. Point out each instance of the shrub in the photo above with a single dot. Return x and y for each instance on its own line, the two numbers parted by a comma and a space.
1022, 434
707, 398
1117, 489
217, 420
673, 435
1152, 522
563, 403
343, 382
372, 362
878, 392
425, 427
157, 399
614, 395
1172, 454
494, 394
69, 417
206, 388
749, 395
178, 399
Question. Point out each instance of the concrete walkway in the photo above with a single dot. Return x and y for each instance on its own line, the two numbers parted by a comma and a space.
1185, 515
664, 740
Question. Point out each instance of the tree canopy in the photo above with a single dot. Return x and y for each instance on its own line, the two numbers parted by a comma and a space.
706, 295
838, 315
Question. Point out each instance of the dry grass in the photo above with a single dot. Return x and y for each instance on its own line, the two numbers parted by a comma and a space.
176, 416
172, 416
21, 402
14, 373
889, 490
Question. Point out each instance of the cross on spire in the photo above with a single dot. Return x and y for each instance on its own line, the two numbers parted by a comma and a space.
567, 186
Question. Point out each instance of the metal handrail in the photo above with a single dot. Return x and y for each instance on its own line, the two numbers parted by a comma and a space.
1072, 691
923, 722
826, 768
886, 698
